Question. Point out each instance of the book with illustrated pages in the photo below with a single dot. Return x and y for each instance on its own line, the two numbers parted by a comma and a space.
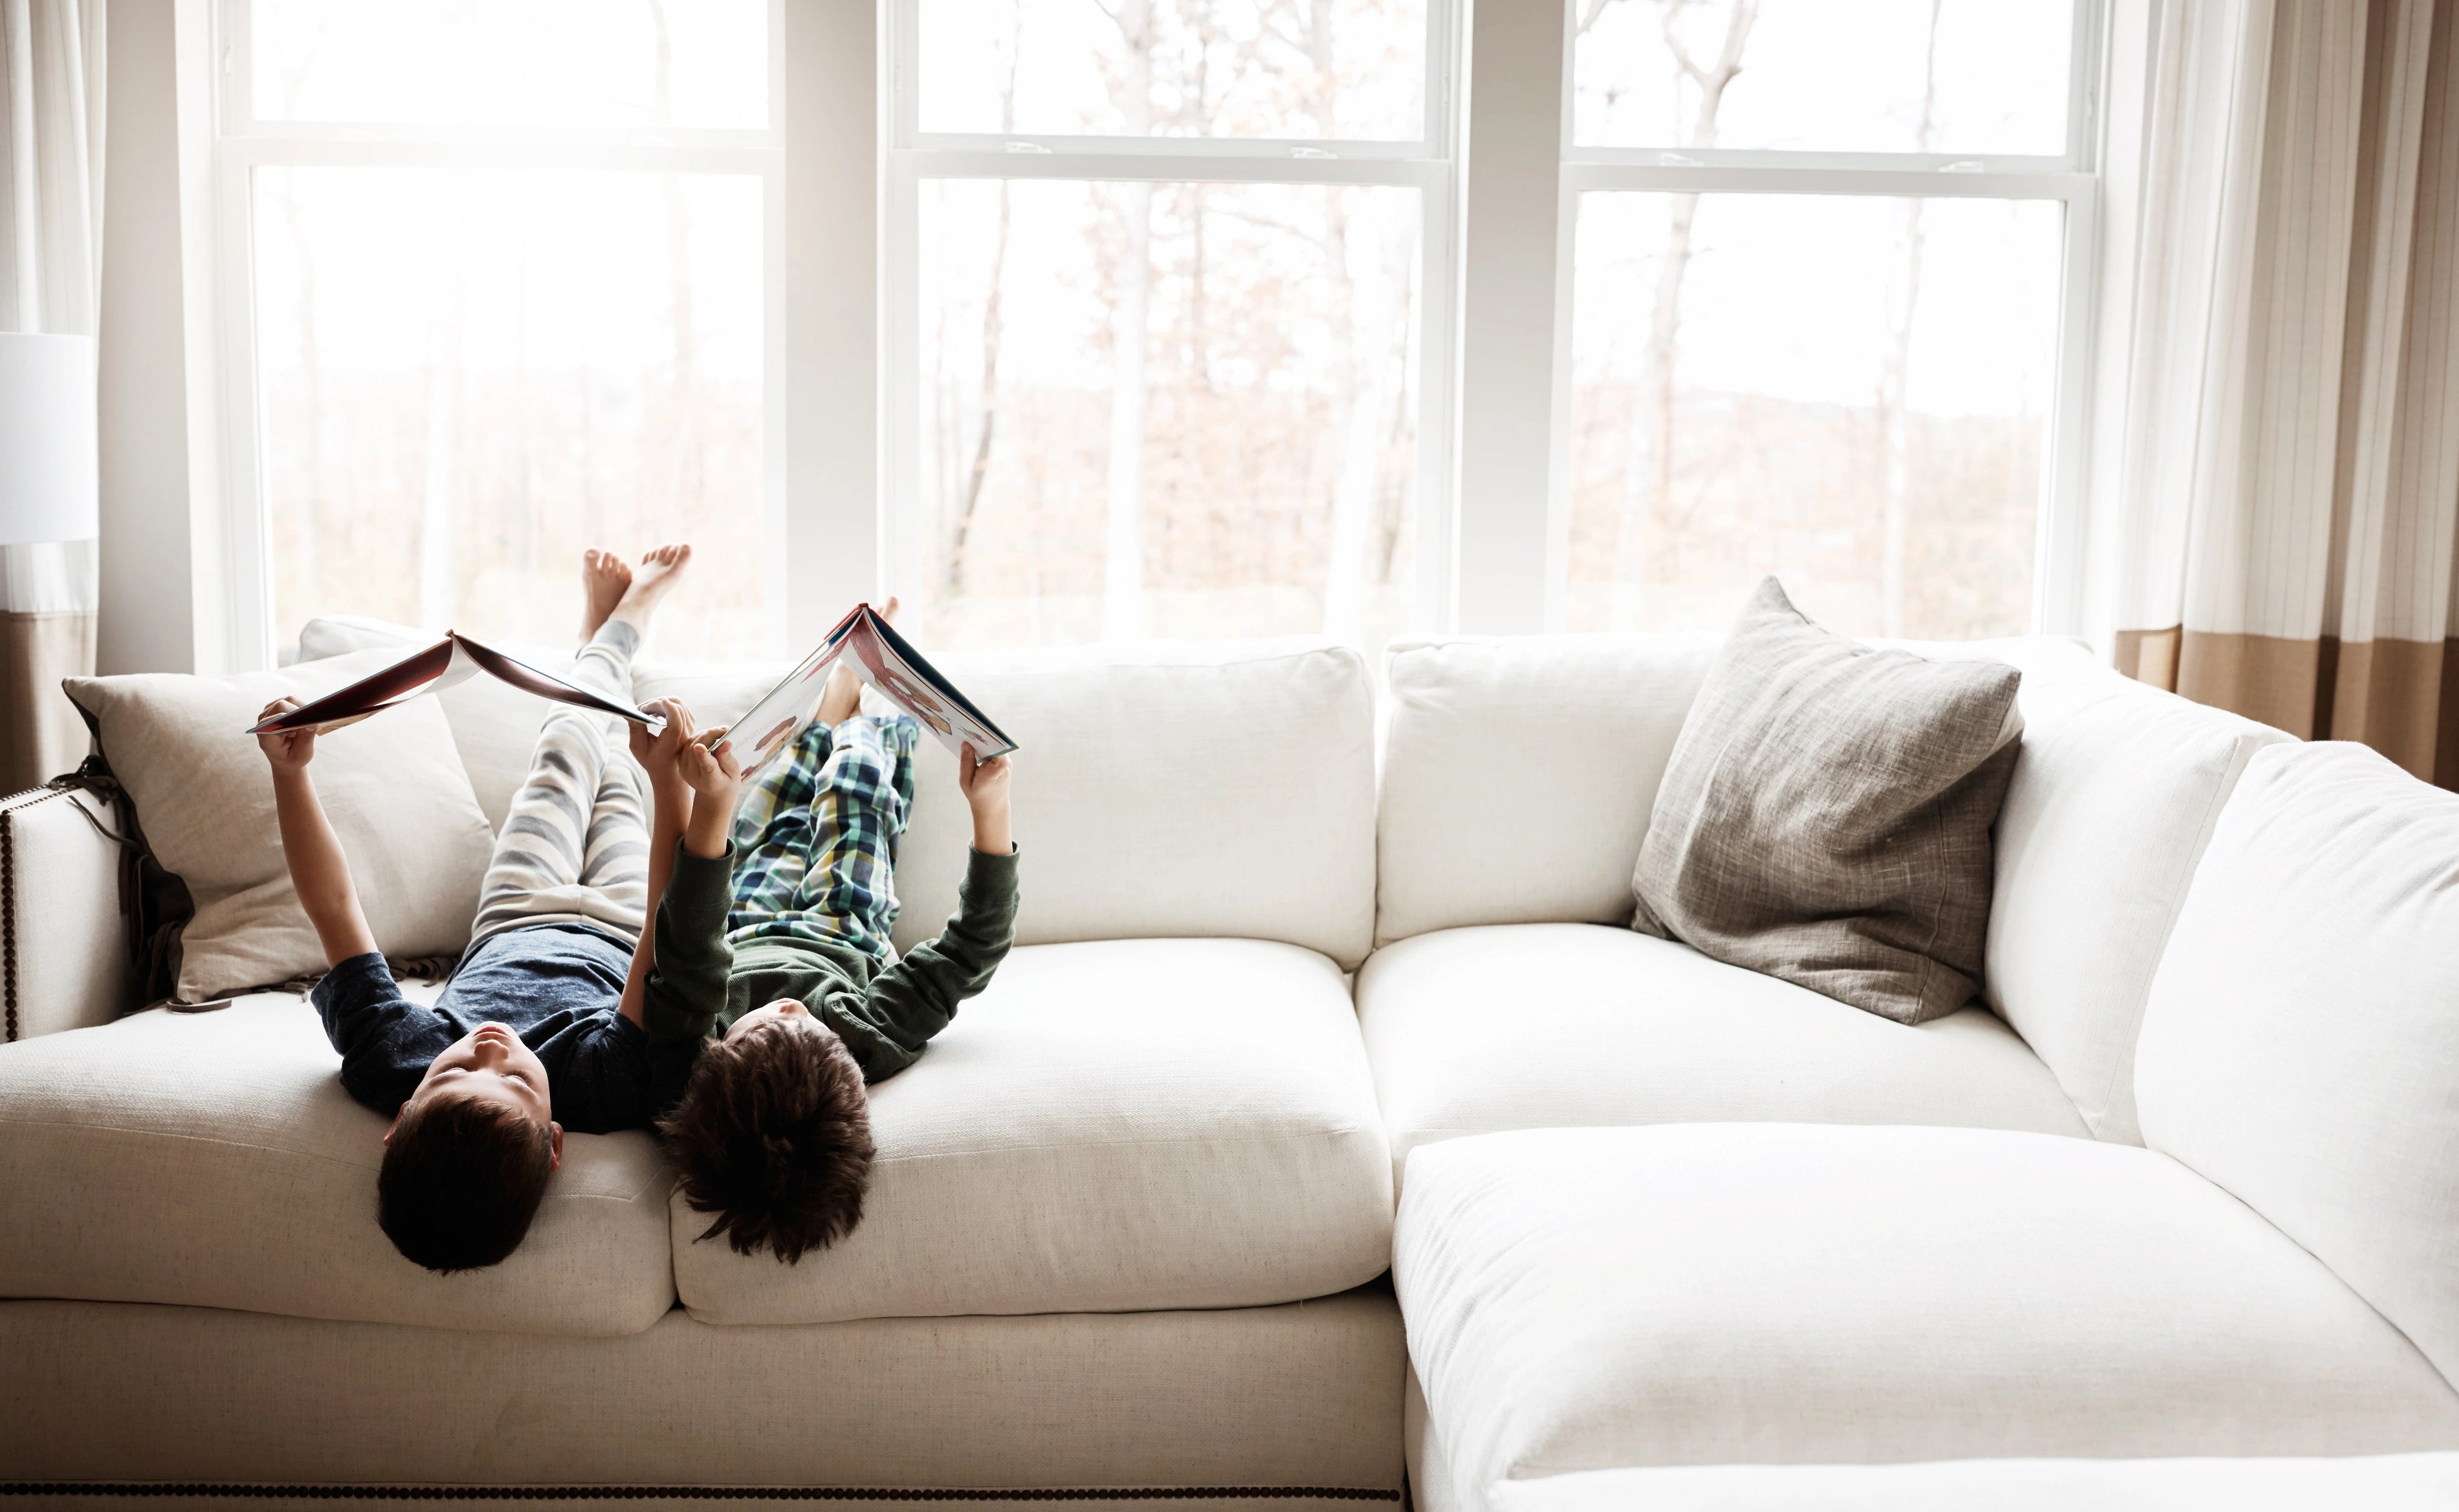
886, 660
870, 644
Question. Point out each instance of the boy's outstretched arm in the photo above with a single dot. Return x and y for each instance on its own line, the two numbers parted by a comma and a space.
914, 998
671, 811
319, 871
678, 981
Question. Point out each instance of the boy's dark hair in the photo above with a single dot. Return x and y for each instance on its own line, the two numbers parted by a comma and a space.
773, 1136
460, 1182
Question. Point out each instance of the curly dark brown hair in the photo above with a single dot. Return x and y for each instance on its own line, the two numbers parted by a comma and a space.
772, 1135
461, 1180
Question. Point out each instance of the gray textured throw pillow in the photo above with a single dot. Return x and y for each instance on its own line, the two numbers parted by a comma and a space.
1825, 815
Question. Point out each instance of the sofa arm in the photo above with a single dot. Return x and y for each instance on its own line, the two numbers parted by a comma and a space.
64, 958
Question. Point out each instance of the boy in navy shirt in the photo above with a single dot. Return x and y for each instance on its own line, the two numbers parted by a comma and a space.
540, 1027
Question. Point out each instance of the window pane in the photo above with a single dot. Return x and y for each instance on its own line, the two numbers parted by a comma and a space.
467, 377
1846, 391
1814, 75
557, 64
1350, 69
1220, 378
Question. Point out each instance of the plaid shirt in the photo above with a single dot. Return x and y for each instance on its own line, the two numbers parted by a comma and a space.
816, 838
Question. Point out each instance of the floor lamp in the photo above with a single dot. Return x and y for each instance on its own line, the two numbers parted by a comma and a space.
49, 491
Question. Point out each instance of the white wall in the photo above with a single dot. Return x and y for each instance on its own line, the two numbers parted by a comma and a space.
160, 513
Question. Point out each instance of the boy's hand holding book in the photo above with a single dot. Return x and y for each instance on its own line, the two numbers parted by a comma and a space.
986, 785
285, 750
691, 776
659, 753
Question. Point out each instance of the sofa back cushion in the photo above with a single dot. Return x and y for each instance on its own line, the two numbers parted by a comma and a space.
1175, 789
393, 786
1518, 775
2301, 1045
1190, 789
2114, 798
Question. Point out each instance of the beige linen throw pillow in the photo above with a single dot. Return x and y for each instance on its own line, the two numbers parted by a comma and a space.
1825, 816
393, 786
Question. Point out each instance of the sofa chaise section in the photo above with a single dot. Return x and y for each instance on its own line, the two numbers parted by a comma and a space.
1766, 1293
2271, 1274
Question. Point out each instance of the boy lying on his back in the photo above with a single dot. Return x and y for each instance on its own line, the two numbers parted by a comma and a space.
545, 1014
760, 1053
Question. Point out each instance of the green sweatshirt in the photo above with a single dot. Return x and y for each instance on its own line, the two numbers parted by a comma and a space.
699, 984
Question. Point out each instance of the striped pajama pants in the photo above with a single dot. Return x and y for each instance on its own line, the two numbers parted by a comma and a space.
575, 848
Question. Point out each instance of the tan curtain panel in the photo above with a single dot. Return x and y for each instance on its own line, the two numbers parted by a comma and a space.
2288, 478
51, 269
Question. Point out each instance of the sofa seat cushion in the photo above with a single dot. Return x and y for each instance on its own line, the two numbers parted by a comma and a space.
1473, 1031
1589, 1299
213, 1160
2413, 1483
1113, 1126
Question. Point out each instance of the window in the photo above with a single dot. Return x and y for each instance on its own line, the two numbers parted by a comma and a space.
504, 293
1841, 365
1128, 318
1164, 358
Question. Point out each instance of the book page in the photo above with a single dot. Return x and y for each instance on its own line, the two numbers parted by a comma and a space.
890, 663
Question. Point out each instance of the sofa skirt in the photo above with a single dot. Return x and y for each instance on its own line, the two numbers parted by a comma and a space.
104, 1404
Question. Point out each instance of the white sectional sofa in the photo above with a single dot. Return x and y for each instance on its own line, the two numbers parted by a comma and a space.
1668, 1233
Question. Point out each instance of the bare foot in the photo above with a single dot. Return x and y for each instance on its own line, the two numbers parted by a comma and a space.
603, 577
652, 580
841, 699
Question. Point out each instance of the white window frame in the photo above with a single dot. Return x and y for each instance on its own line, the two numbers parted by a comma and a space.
1519, 468
1425, 164
245, 143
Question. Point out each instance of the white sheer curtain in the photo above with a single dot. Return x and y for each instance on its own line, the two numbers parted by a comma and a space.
51, 266
2286, 478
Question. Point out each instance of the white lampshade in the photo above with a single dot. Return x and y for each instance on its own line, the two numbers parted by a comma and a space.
49, 489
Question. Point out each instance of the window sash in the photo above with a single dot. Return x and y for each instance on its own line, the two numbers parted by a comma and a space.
2072, 178
1427, 165
246, 142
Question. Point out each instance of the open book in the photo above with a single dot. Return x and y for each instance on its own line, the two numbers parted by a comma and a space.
454, 659
881, 657
886, 660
